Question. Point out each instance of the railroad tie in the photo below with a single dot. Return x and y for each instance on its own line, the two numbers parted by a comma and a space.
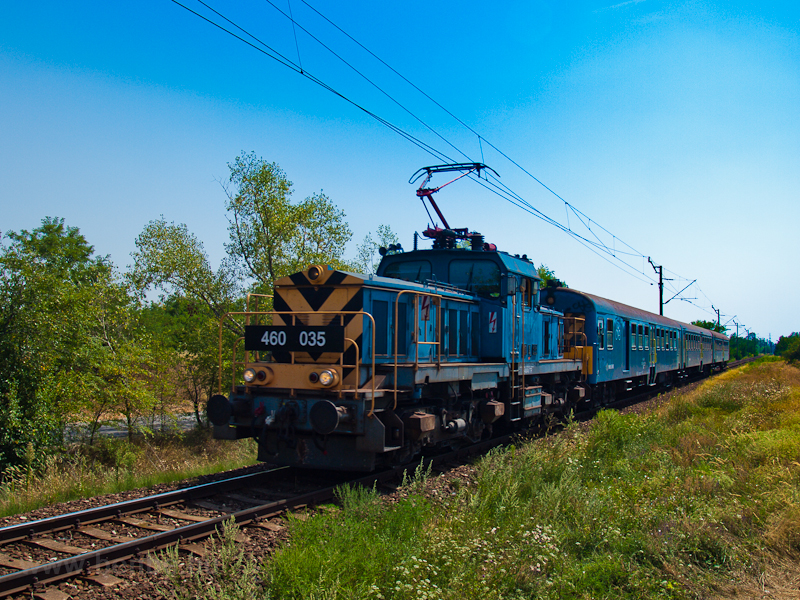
99, 534
51, 594
176, 514
57, 546
16, 563
103, 579
142, 524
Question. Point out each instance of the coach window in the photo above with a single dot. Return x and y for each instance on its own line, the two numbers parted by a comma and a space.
647, 337
633, 336
641, 337
600, 334
609, 333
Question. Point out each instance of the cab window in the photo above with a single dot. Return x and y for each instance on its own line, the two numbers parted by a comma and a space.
600, 335
418, 271
481, 277
530, 291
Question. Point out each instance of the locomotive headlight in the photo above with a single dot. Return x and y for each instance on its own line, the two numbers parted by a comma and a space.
328, 378
314, 273
249, 375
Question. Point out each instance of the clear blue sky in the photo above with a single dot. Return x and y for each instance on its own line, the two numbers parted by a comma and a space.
674, 125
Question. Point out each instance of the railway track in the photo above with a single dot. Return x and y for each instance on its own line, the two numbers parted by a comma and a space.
130, 531
182, 517
83, 543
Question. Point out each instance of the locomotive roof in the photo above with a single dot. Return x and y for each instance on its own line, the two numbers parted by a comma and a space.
614, 307
511, 264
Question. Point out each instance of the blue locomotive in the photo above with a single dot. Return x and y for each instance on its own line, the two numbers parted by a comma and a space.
441, 347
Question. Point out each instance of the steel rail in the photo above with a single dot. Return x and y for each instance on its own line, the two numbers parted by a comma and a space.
22, 531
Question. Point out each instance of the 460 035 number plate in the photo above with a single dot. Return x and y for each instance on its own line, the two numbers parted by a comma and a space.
294, 338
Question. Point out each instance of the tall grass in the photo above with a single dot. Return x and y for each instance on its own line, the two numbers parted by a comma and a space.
113, 465
665, 505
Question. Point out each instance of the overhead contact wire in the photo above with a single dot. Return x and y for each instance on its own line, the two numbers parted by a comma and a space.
598, 247
280, 58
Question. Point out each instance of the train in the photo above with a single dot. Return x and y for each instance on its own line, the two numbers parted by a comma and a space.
441, 347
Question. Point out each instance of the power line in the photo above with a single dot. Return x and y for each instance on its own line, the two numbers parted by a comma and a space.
586, 221
520, 201
286, 62
596, 245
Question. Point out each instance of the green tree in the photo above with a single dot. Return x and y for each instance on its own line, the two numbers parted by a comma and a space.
69, 348
785, 342
171, 259
789, 347
367, 257
189, 353
195, 301
547, 274
270, 237
710, 325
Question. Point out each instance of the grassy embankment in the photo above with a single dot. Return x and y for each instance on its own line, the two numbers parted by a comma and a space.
694, 499
113, 465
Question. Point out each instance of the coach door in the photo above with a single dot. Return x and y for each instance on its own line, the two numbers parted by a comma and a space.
627, 328
653, 356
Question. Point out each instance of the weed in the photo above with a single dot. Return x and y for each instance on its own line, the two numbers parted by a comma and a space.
226, 574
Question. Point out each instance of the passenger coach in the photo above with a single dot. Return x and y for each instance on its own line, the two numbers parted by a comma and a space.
632, 347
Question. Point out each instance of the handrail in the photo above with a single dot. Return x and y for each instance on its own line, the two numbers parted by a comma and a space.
248, 314
358, 372
417, 294
254, 295
570, 336
233, 362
